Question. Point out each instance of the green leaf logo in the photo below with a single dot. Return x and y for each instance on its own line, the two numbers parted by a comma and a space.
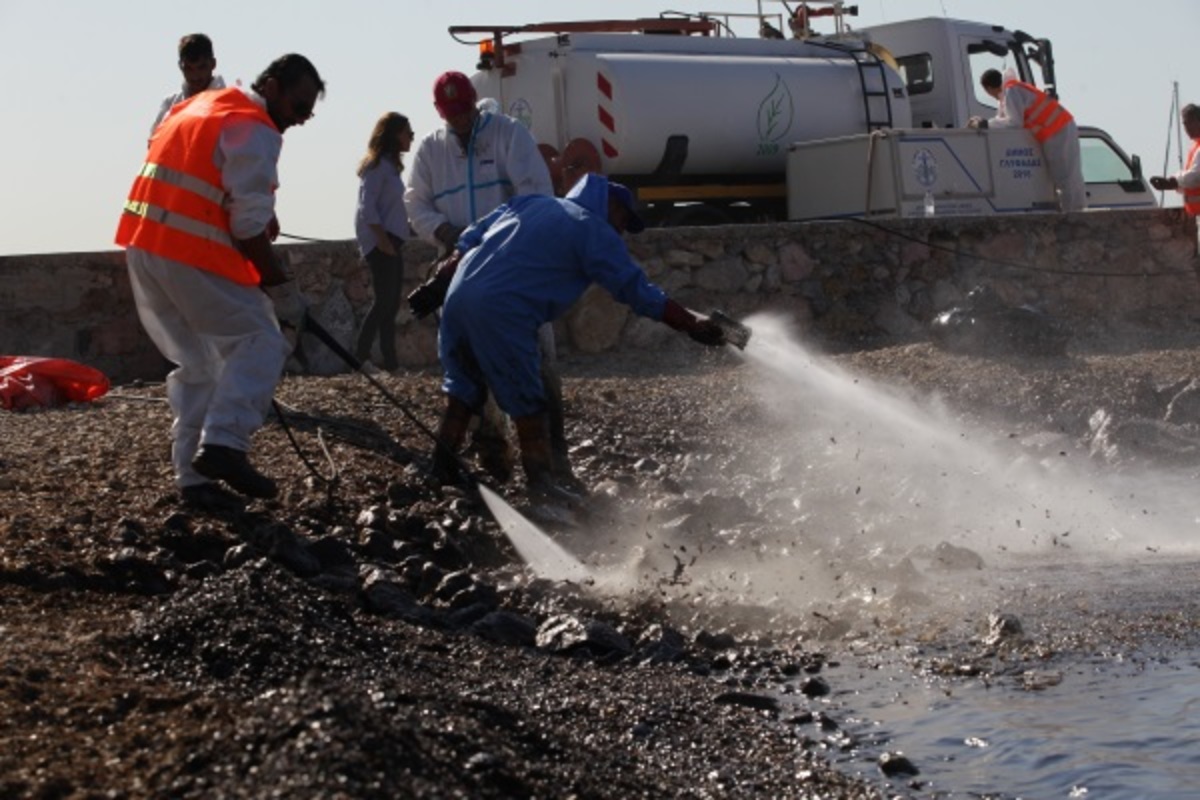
775, 112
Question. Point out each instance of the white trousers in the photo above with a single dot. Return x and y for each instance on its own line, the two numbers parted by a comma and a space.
1064, 163
227, 346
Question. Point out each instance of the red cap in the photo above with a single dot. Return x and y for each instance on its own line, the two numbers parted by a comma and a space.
453, 94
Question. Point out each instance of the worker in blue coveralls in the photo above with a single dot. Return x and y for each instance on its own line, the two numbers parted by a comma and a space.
524, 264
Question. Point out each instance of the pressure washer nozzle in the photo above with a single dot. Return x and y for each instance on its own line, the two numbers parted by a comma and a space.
736, 333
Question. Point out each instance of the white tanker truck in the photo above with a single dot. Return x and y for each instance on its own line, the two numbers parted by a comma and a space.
699, 122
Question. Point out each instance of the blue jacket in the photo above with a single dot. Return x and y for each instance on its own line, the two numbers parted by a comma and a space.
524, 264
535, 255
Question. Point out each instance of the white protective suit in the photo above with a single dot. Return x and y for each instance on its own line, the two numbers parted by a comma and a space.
223, 336
1061, 150
447, 183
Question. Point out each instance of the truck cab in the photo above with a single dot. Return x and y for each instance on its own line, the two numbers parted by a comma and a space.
942, 59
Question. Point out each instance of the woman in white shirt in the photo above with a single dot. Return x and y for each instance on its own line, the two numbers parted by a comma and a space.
381, 226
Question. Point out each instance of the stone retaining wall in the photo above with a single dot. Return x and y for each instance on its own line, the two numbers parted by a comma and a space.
844, 280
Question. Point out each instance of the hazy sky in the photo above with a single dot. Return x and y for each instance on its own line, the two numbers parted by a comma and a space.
84, 79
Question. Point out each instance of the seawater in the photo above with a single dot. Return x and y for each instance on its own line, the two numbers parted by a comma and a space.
1107, 730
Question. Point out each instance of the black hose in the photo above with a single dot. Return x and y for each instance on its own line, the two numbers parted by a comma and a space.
315, 328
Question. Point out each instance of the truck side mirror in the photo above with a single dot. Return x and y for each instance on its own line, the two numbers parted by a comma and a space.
1135, 184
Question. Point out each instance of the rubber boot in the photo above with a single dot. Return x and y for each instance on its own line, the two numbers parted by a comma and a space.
560, 458
537, 460
450, 435
491, 443
552, 390
233, 466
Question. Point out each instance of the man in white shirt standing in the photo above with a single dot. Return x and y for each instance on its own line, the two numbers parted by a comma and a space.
196, 62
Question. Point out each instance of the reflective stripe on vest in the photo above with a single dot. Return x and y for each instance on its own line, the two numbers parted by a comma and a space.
1191, 197
176, 205
1045, 116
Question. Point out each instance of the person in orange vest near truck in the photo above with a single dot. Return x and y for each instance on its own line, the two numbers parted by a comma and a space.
1023, 105
1187, 180
209, 289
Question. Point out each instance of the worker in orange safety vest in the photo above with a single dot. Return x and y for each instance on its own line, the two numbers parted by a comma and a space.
210, 292
1186, 181
1023, 105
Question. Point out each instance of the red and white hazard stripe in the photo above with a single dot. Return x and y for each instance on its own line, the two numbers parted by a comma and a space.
607, 121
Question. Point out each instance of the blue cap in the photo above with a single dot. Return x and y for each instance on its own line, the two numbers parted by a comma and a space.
622, 195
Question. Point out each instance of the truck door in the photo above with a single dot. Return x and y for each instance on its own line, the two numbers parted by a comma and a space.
942, 60
1112, 178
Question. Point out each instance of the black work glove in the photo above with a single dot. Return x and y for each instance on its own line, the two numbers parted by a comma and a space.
429, 296
707, 333
448, 234
700, 329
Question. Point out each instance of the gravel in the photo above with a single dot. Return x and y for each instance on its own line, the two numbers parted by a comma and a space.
371, 634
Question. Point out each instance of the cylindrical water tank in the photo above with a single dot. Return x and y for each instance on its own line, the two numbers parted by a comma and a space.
738, 111
739, 114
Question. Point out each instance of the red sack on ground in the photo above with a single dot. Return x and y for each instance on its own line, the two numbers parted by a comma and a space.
28, 381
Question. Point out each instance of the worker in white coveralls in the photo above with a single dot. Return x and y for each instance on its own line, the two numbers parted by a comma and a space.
209, 290
518, 268
1023, 105
460, 173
